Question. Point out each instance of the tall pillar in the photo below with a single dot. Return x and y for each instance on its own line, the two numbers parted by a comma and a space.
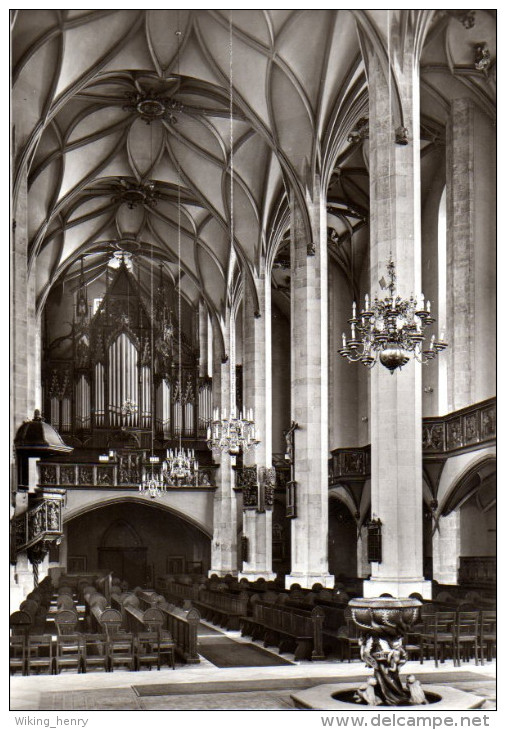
309, 376
22, 397
396, 405
446, 549
257, 395
460, 253
224, 543
363, 566
471, 265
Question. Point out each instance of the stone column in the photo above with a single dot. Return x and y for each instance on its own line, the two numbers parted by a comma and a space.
257, 395
309, 376
396, 405
363, 566
224, 543
446, 549
22, 397
470, 207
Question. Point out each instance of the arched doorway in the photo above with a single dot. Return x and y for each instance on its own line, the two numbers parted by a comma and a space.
122, 552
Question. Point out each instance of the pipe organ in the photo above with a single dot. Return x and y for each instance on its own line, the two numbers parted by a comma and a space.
114, 381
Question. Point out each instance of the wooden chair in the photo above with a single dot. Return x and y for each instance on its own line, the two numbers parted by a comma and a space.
148, 649
17, 654
467, 634
121, 650
488, 634
39, 653
68, 652
94, 651
438, 634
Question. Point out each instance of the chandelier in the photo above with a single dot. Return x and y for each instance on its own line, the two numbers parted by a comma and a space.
233, 433
181, 465
391, 330
152, 482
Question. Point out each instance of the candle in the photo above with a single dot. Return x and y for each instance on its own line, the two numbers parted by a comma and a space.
344, 340
354, 310
432, 340
442, 337
352, 331
367, 302
428, 305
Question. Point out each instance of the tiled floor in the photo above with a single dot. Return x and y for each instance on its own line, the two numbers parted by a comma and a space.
238, 688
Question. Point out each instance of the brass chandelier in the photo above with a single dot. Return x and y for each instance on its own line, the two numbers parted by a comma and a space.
391, 330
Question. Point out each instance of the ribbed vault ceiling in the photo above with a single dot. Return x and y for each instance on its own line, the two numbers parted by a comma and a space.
299, 87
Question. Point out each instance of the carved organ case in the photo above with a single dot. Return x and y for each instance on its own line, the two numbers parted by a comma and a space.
124, 373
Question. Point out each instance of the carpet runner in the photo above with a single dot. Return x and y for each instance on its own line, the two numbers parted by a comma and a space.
224, 652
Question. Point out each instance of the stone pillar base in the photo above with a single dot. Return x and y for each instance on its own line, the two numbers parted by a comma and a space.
221, 573
305, 580
397, 587
255, 575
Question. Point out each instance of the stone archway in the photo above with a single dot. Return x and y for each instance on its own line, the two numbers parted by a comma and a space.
464, 537
137, 540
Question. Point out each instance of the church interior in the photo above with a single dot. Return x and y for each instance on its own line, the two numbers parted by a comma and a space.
252, 337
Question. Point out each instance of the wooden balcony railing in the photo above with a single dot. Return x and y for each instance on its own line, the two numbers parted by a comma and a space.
478, 570
109, 475
463, 430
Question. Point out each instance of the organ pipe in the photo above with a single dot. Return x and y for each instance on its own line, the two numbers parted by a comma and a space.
123, 380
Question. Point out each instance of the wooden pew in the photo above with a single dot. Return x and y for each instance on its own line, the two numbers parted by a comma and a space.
105, 620
222, 608
180, 593
183, 626
66, 622
122, 601
138, 621
333, 622
288, 629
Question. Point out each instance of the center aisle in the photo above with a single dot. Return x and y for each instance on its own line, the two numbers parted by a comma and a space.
223, 651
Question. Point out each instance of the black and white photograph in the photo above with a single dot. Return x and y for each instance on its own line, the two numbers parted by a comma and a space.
252, 336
